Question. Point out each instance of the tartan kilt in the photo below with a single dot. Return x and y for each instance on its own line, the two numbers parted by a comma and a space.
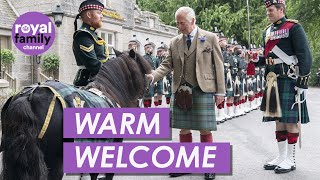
255, 84
159, 88
229, 93
150, 92
200, 117
287, 98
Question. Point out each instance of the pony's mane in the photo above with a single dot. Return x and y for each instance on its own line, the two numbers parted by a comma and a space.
122, 78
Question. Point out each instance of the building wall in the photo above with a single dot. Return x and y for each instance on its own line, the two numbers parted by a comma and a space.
135, 22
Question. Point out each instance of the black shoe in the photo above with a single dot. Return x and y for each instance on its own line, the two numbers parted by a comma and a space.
269, 166
209, 176
177, 174
279, 170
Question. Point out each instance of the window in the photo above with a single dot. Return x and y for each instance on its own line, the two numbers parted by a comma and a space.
151, 23
110, 40
5, 42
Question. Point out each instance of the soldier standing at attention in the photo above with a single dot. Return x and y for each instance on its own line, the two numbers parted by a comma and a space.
89, 49
148, 48
288, 61
221, 116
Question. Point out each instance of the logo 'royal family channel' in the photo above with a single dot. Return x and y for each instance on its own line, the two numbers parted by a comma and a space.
33, 33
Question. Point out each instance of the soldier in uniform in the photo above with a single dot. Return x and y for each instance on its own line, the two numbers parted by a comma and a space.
167, 80
251, 74
133, 44
241, 64
89, 49
221, 116
148, 48
288, 61
229, 65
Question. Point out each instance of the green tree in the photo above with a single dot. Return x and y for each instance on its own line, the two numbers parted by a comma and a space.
7, 57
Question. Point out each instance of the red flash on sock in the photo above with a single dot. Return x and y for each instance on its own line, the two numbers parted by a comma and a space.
281, 135
292, 138
168, 100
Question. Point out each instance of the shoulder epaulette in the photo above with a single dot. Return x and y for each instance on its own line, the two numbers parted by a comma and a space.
293, 20
267, 26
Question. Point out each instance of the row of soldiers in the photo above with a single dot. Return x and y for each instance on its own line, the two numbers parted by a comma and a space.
244, 82
163, 86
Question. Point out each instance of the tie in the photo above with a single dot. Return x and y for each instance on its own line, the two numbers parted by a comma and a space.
188, 41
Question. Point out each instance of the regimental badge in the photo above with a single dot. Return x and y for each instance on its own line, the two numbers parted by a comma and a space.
77, 102
279, 34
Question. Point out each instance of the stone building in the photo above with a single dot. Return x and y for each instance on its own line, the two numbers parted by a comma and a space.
123, 20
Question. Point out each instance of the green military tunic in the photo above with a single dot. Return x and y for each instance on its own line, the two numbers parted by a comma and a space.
90, 51
153, 62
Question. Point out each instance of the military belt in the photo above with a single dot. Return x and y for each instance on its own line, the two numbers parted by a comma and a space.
273, 61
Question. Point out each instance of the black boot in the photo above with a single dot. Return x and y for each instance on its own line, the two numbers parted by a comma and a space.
173, 175
209, 176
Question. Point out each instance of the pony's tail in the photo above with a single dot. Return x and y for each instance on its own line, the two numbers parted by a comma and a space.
22, 157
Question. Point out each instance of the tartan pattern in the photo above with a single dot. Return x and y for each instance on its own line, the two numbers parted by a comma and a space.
287, 98
169, 78
67, 91
159, 88
229, 93
200, 117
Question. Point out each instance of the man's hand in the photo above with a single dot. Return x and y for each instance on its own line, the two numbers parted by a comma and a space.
219, 99
149, 78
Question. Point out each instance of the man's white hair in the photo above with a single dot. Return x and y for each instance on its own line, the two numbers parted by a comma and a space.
188, 11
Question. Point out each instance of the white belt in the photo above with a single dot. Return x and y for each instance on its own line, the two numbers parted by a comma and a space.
284, 57
82, 67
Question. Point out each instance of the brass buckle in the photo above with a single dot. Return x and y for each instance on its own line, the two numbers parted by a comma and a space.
270, 61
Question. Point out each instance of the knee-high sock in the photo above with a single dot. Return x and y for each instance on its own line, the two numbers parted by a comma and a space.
186, 137
206, 138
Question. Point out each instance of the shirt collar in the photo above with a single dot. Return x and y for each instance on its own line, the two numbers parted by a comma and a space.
193, 32
280, 22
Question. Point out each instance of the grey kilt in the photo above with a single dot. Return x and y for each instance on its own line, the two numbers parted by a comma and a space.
287, 98
200, 117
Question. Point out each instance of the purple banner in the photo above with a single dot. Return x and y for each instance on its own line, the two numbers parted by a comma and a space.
116, 123
146, 158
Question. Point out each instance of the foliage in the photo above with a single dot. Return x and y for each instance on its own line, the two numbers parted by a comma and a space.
7, 57
50, 62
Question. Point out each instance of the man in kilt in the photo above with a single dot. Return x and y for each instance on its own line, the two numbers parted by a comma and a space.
198, 76
89, 49
148, 48
162, 53
221, 117
229, 68
288, 61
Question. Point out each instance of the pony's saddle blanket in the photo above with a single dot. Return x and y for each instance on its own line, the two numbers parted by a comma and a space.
72, 96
